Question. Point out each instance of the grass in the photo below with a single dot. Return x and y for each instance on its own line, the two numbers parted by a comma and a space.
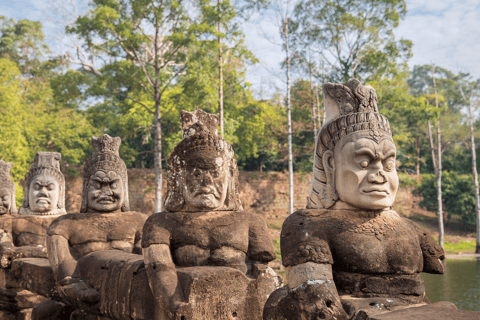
274, 224
276, 245
462, 246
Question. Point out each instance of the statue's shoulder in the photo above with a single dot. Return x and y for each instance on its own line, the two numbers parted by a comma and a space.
64, 224
309, 218
134, 217
305, 237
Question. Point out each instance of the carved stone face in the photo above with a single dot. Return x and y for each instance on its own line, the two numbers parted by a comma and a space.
365, 173
105, 191
43, 193
5, 201
206, 184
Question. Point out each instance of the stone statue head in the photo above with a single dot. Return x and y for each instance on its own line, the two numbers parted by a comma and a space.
105, 180
355, 153
202, 171
7, 190
44, 186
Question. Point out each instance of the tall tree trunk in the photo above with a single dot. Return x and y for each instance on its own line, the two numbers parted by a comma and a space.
323, 83
289, 125
417, 149
220, 71
439, 174
158, 132
158, 159
475, 177
314, 122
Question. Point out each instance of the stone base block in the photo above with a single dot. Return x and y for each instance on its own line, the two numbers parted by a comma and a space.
434, 311
35, 274
218, 293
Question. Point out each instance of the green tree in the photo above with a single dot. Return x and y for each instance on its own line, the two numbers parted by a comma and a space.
145, 44
354, 38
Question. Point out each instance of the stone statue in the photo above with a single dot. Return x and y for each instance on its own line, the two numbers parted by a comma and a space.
349, 251
7, 190
44, 187
204, 225
24, 235
105, 223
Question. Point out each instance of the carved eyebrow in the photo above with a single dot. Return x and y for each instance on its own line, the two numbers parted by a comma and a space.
106, 178
365, 151
389, 154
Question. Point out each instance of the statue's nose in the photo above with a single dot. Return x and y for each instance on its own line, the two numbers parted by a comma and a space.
377, 177
42, 192
207, 178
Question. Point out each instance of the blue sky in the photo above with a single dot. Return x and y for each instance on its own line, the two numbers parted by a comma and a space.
444, 32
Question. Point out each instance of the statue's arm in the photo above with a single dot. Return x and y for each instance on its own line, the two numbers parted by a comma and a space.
162, 276
62, 262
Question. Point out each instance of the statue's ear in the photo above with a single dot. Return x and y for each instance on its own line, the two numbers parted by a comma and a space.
329, 164
328, 195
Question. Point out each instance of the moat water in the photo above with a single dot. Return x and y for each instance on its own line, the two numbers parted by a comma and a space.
460, 284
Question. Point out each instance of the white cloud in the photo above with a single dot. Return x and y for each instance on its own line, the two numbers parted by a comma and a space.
444, 32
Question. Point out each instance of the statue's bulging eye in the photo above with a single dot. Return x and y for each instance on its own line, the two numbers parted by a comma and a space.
390, 165
114, 185
36, 187
97, 185
51, 187
364, 164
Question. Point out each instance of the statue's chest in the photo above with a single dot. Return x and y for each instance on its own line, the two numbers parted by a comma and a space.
370, 248
212, 236
103, 230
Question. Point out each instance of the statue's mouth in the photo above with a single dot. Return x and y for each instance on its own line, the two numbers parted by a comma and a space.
206, 192
106, 200
376, 192
43, 201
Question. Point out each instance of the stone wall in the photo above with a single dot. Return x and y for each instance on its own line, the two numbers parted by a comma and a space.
259, 191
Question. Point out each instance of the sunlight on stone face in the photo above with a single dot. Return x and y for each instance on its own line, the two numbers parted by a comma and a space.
5, 201
365, 173
206, 184
44, 193
105, 191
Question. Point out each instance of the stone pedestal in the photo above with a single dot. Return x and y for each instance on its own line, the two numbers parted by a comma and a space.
218, 293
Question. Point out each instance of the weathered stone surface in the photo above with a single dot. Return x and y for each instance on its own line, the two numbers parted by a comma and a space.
7, 190
349, 226
24, 235
439, 310
104, 223
35, 275
206, 230
51, 310
211, 292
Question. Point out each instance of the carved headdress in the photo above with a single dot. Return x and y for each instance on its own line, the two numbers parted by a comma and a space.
47, 163
6, 182
105, 158
351, 108
200, 141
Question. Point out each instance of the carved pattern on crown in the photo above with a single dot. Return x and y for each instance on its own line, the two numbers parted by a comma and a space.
106, 144
5, 179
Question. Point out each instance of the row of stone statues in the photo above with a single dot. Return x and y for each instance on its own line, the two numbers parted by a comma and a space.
205, 257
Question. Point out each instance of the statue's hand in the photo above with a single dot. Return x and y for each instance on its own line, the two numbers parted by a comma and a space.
73, 289
313, 300
7, 251
183, 311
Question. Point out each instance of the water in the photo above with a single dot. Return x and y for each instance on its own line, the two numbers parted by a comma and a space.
460, 284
